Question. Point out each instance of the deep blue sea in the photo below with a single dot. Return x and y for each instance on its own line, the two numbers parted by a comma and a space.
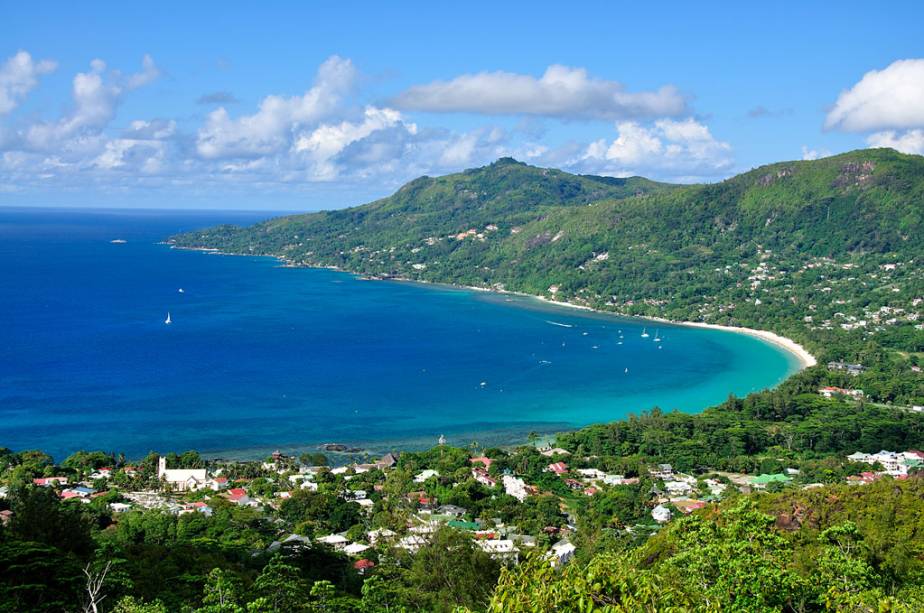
261, 357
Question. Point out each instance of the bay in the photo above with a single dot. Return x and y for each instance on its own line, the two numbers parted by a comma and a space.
261, 357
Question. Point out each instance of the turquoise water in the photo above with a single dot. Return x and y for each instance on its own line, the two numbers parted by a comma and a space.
260, 357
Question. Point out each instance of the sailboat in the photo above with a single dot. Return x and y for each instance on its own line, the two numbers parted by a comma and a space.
657, 337
645, 333
168, 321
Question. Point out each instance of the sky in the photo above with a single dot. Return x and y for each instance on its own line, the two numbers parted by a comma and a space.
307, 106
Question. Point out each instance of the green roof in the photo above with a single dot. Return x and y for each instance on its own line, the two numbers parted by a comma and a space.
774, 478
463, 525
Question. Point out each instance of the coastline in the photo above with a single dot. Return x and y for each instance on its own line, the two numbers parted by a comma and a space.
802, 355
804, 358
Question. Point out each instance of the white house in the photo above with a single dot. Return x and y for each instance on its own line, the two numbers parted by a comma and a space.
181, 479
337, 541
426, 474
661, 514
500, 549
515, 487
561, 553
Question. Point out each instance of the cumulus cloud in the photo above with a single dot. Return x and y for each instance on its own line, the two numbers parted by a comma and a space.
814, 154
669, 148
273, 126
18, 76
561, 91
883, 99
96, 97
911, 141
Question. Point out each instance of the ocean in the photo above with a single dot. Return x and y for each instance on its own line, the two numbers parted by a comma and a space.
261, 357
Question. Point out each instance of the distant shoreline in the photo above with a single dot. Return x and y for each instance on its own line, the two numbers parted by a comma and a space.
802, 355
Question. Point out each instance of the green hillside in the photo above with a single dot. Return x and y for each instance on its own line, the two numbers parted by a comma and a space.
827, 251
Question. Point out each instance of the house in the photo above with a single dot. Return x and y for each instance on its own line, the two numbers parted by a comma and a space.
181, 479
296, 541
354, 549
678, 488
426, 474
664, 472
451, 509
553, 451
387, 461
119, 507
688, 506
559, 468
458, 524
49, 481
661, 514
363, 566
762, 481
378, 534
561, 553
591, 473
238, 495
5, 517
574, 484
515, 487
851, 369
860, 457
337, 541
833, 392
863, 478
481, 476
486, 461
500, 549
412, 543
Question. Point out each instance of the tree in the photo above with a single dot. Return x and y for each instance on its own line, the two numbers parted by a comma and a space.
220, 593
280, 584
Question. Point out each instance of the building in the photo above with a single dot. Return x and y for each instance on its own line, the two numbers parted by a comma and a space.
481, 476
833, 392
182, 479
561, 553
559, 468
515, 487
762, 481
850, 369
661, 514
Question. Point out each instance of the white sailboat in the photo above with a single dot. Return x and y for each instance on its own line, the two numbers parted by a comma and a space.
645, 333
657, 337
168, 321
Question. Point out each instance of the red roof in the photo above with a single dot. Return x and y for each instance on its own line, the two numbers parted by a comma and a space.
363, 564
558, 468
484, 460
237, 492
221, 479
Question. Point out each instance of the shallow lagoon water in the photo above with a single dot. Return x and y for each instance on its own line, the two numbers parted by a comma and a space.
260, 357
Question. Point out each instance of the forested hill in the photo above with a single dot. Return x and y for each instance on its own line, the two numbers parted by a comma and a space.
801, 248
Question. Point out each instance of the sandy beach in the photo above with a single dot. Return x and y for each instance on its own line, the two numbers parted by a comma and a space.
805, 358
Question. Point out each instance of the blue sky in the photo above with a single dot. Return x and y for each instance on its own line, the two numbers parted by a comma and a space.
307, 106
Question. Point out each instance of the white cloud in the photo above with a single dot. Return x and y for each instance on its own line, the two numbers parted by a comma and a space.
560, 92
814, 154
96, 98
882, 99
18, 76
911, 141
669, 149
272, 128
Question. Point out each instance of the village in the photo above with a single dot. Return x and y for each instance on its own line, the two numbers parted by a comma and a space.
429, 498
